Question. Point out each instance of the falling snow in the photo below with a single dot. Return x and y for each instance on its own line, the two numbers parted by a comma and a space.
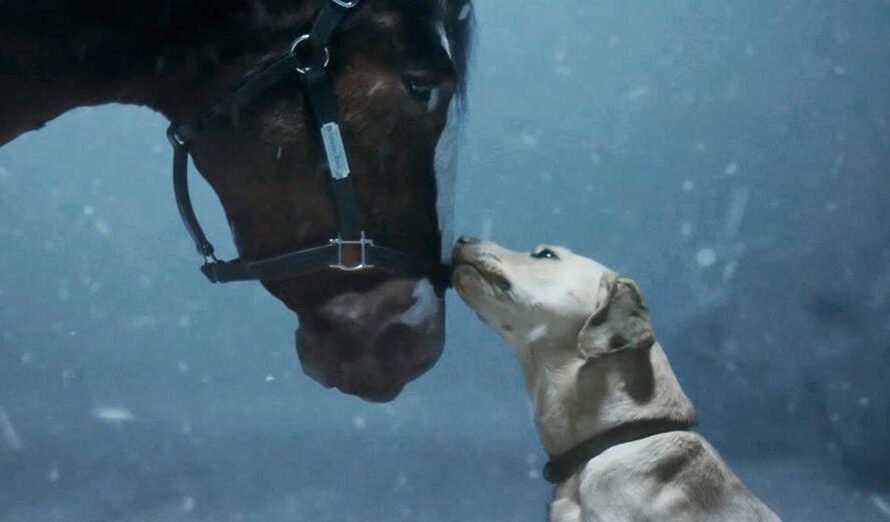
706, 257
731, 169
736, 213
638, 92
11, 437
487, 227
735, 169
113, 415
102, 227
882, 505
529, 140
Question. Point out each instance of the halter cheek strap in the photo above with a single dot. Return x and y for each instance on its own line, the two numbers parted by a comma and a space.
351, 250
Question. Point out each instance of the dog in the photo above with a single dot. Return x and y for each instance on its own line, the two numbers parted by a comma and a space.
608, 407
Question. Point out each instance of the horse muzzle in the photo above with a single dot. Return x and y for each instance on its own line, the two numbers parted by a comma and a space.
371, 344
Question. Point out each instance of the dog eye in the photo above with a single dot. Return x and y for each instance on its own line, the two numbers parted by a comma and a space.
545, 254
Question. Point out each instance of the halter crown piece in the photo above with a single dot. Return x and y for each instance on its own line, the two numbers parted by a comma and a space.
351, 250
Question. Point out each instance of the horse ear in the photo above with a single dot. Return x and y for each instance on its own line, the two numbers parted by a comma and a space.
621, 322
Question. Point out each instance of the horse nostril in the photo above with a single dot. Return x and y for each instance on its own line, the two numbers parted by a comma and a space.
394, 343
466, 240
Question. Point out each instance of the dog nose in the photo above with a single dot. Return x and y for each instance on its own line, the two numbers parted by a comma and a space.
466, 240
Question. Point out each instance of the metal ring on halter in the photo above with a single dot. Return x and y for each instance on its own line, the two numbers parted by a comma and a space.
305, 69
210, 257
175, 139
346, 4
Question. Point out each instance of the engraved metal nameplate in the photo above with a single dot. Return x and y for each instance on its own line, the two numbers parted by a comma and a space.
335, 151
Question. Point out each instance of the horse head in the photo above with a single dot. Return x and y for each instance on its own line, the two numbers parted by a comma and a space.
397, 68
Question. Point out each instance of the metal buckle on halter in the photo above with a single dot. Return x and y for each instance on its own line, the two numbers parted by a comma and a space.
352, 255
346, 4
304, 69
175, 138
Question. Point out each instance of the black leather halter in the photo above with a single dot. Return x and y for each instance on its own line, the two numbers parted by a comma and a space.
351, 249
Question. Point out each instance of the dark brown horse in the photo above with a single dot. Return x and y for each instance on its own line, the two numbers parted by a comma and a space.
367, 333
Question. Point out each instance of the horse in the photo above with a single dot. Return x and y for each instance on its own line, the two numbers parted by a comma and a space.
398, 74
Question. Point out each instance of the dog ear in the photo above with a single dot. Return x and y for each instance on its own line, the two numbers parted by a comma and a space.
621, 322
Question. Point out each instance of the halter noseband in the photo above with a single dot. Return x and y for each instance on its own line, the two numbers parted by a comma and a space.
351, 249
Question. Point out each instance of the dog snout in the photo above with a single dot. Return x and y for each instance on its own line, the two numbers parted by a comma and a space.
472, 251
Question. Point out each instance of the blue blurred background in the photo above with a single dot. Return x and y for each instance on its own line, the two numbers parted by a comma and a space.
733, 157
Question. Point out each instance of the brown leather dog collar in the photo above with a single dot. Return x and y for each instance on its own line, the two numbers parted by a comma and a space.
561, 468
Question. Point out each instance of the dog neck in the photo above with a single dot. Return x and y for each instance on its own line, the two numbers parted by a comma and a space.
575, 399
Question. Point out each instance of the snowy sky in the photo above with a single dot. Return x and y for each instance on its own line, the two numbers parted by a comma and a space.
730, 156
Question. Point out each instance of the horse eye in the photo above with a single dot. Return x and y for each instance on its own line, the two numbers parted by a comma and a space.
545, 254
424, 88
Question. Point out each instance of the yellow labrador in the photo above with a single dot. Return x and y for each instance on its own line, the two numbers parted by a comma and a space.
607, 405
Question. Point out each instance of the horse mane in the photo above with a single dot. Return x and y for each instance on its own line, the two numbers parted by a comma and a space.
182, 21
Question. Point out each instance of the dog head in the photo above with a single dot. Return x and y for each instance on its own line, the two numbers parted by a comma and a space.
551, 293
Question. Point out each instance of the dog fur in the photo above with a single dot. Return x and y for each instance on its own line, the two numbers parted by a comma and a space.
591, 363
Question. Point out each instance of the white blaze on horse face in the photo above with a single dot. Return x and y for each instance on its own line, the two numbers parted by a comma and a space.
465, 11
443, 37
425, 305
445, 164
435, 98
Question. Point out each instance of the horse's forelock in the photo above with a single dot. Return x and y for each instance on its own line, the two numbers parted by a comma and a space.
455, 17
458, 23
